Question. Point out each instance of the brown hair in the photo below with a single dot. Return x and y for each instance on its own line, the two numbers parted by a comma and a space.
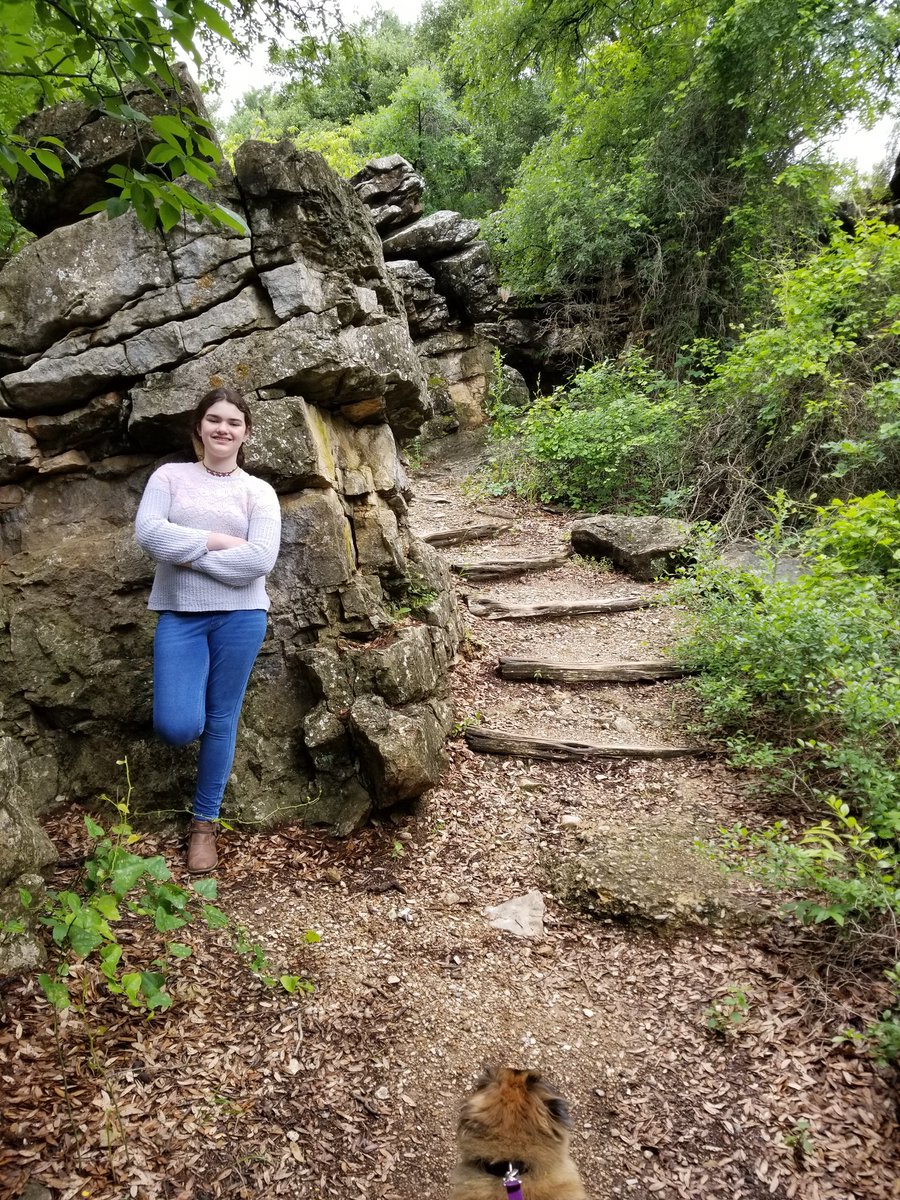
206, 402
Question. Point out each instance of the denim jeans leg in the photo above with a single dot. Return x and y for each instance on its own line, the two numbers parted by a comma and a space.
180, 671
234, 642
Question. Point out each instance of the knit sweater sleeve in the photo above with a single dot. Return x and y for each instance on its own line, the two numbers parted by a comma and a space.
242, 564
163, 540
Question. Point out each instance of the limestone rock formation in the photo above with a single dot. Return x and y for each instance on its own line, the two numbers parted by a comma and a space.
653, 877
391, 189
108, 336
644, 547
94, 143
448, 284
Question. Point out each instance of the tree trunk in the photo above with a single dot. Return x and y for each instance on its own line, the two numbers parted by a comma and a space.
498, 610
465, 533
499, 567
546, 670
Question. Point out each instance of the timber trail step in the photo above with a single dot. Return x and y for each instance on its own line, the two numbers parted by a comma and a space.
567, 610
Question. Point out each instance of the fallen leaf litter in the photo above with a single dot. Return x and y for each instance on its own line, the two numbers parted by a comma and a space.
240, 1091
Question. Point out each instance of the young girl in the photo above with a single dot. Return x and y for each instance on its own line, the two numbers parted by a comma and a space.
214, 532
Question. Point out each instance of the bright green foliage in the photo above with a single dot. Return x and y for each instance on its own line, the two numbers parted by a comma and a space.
354, 73
386, 88
423, 123
92, 50
881, 1039
673, 162
802, 678
726, 1014
812, 401
614, 438
120, 885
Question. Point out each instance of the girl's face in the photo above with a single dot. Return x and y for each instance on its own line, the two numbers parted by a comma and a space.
223, 430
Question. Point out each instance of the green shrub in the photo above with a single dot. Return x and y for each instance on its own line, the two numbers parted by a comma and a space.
810, 403
802, 678
121, 888
613, 437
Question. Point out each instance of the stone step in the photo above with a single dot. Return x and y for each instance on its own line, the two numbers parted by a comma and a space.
492, 608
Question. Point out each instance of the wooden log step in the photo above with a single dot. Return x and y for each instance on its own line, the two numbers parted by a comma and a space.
466, 533
492, 609
550, 671
500, 567
498, 741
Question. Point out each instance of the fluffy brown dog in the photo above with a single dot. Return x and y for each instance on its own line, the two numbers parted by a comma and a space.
514, 1117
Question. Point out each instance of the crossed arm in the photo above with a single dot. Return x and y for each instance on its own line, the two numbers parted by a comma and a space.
231, 560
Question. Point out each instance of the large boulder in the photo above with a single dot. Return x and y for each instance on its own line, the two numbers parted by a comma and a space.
653, 877
469, 281
108, 336
435, 236
391, 188
426, 309
94, 143
643, 547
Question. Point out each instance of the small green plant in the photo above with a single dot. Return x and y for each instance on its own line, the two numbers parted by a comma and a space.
466, 723
799, 1139
881, 1038
725, 1014
398, 850
416, 597
119, 888
593, 566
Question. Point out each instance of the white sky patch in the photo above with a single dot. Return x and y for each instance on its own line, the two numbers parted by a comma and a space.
867, 147
240, 77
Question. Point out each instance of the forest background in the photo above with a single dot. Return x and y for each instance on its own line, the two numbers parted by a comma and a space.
669, 153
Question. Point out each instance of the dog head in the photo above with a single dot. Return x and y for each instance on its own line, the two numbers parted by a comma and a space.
511, 1111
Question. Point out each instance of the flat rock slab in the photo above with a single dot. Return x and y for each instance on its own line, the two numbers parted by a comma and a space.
646, 876
644, 547
522, 916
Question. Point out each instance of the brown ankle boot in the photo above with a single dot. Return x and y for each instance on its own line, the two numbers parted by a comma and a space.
201, 855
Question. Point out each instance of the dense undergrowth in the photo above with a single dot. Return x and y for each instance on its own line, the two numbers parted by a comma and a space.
800, 679
808, 402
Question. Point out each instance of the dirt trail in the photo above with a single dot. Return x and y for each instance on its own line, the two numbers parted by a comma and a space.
243, 1092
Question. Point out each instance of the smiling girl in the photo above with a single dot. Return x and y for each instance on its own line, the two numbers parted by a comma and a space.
214, 532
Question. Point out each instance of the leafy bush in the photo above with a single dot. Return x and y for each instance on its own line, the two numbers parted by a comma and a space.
801, 677
614, 436
810, 403
801, 681
121, 888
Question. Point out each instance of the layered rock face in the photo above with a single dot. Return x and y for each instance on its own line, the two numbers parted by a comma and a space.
109, 334
448, 283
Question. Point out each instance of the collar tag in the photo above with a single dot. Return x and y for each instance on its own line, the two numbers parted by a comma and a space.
513, 1184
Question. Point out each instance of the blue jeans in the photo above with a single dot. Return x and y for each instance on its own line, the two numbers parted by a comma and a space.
201, 666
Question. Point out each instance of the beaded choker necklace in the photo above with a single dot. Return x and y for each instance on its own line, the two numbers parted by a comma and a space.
219, 474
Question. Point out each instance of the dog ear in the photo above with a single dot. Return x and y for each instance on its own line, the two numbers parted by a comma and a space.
489, 1074
471, 1127
559, 1111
